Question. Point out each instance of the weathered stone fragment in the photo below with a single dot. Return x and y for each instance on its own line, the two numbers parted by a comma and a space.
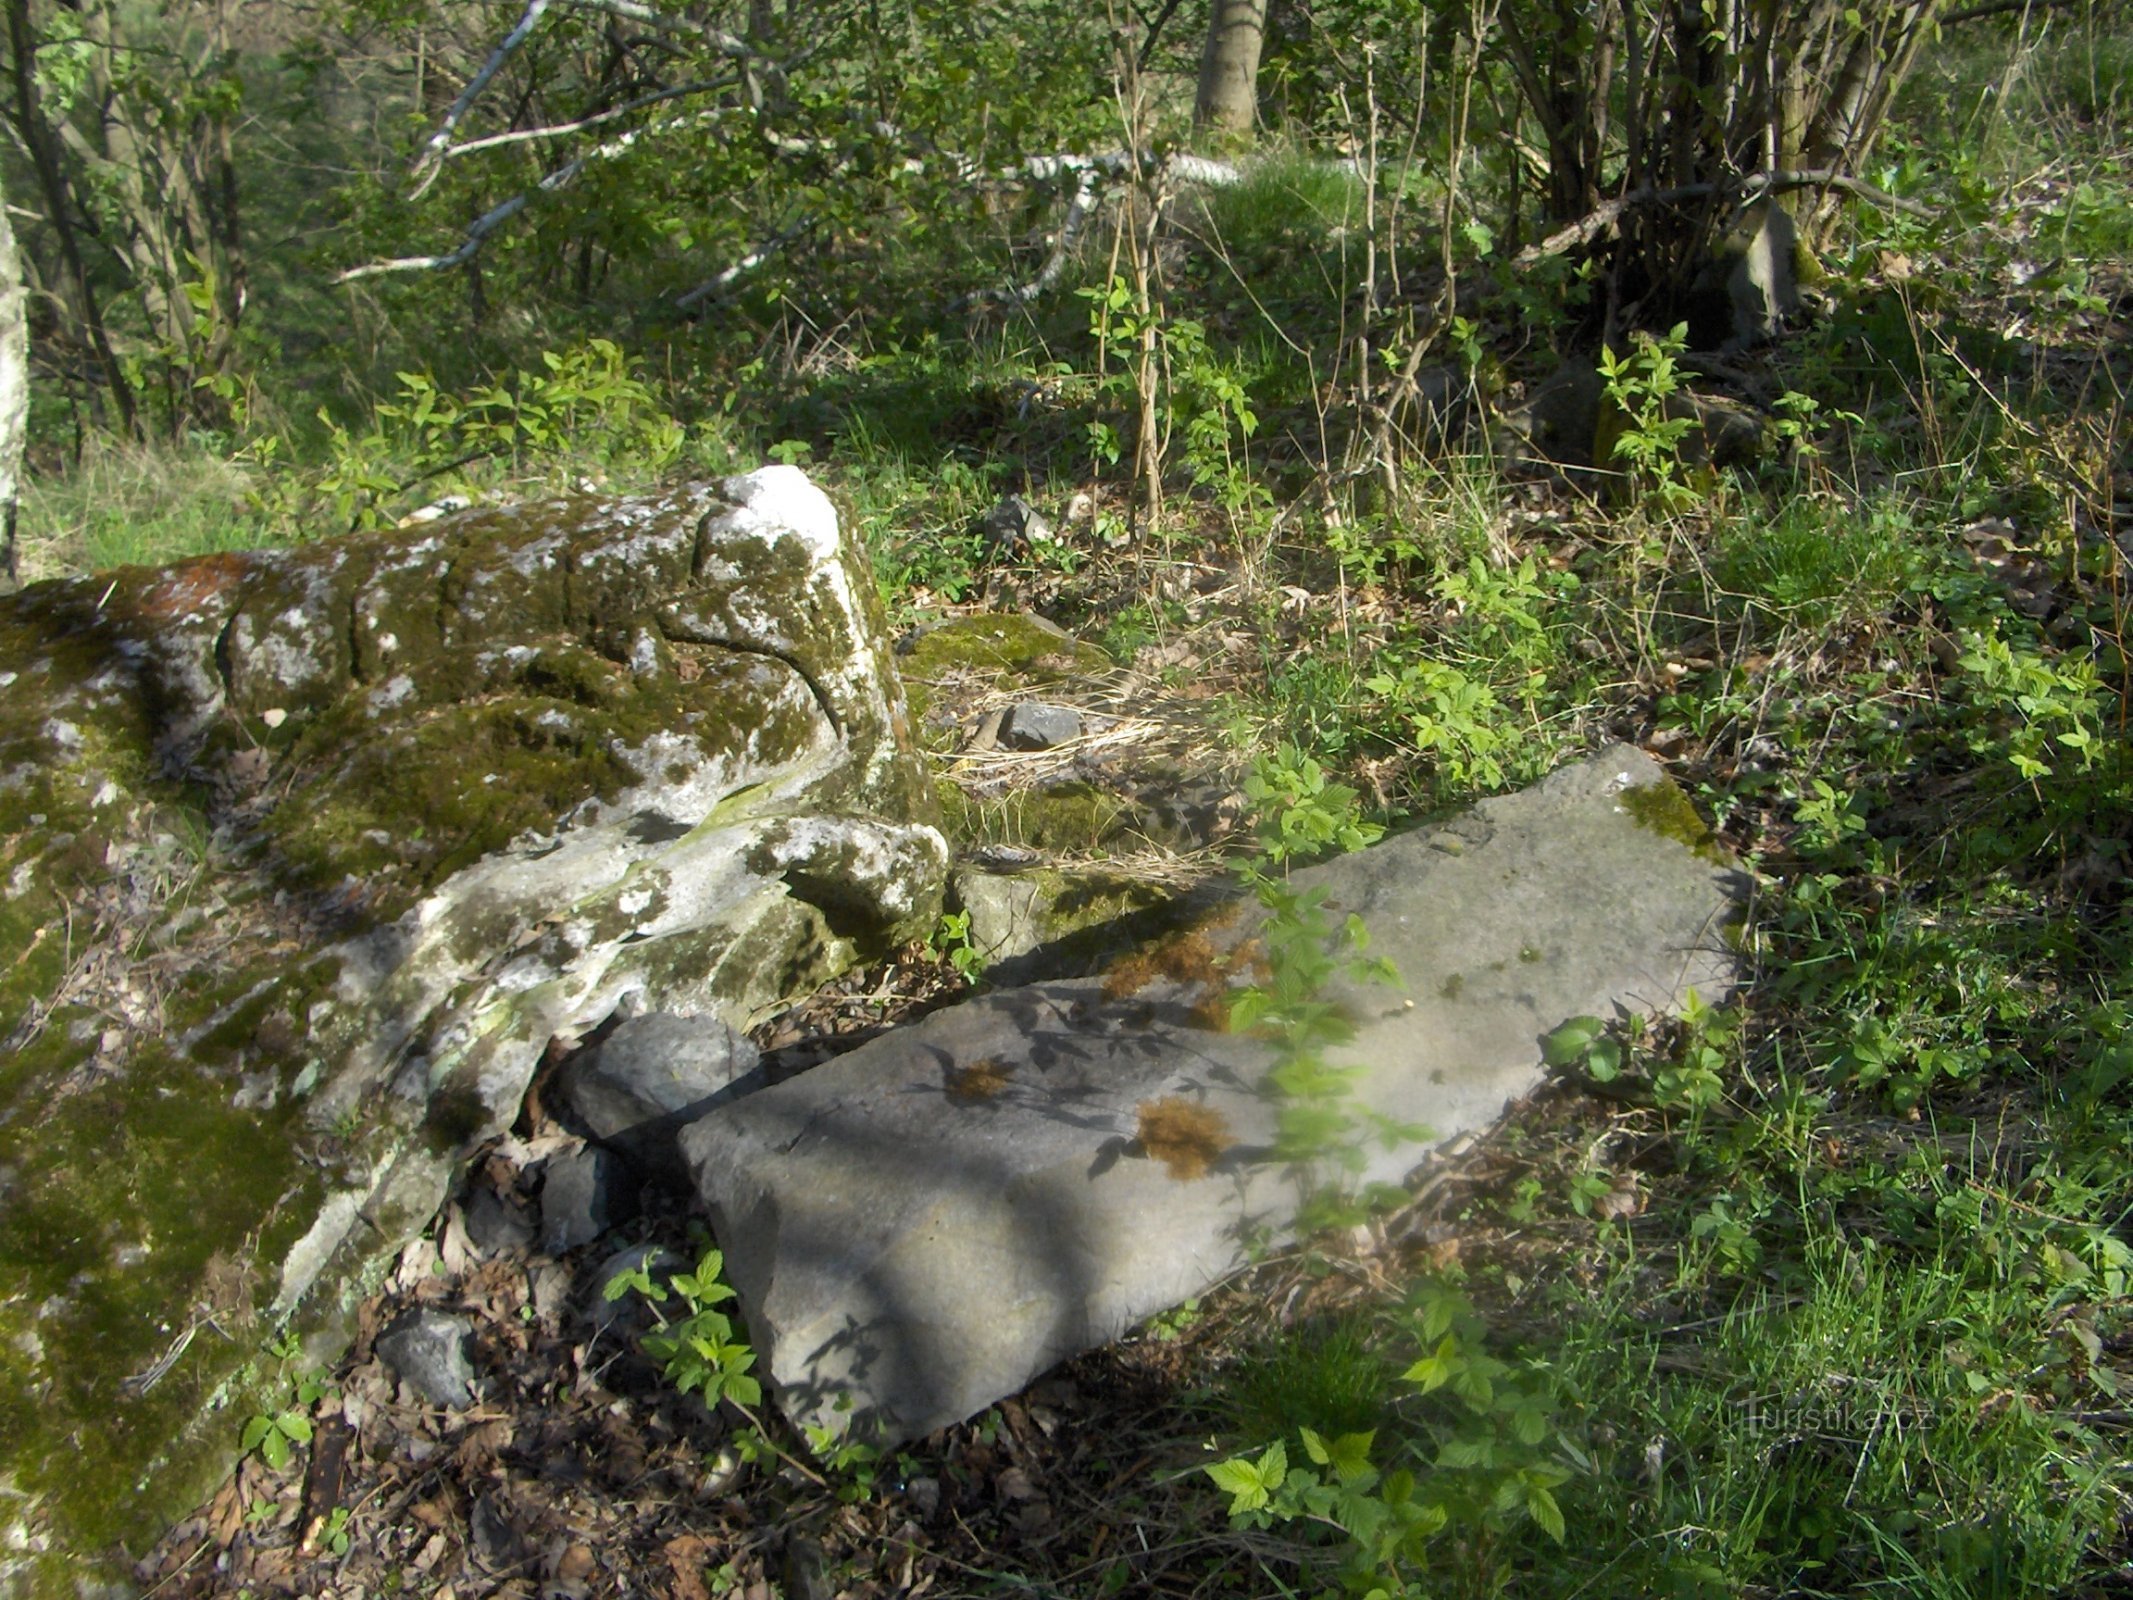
654, 1074
948, 662
427, 1351
1034, 725
305, 858
1038, 921
584, 1192
925, 1223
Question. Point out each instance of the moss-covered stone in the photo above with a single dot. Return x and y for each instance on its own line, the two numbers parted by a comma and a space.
993, 650
304, 858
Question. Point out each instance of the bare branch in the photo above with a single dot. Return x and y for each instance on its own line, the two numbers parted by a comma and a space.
1597, 221
1154, 33
719, 39
723, 280
561, 129
482, 227
424, 171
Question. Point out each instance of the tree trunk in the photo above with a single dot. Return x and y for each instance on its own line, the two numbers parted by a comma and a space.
42, 144
14, 395
1228, 101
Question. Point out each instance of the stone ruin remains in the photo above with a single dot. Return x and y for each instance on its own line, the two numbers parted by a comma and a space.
309, 859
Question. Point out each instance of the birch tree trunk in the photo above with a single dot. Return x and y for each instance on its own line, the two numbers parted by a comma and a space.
1228, 99
14, 394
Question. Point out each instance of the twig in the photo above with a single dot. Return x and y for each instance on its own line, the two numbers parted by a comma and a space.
724, 279
2001, 8
481, 228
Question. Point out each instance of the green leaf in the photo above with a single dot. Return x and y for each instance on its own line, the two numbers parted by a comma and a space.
1351, 1455
1567, 1044
1435, 1369
1238, 1479
1251, 1483
1459, 1453
1546, 1513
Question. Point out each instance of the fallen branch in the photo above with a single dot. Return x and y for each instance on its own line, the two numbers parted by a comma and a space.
489, 221
1087, 171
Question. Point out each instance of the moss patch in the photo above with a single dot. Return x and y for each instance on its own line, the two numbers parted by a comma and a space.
1665, 810
1002, 642
997, 650
1066, 818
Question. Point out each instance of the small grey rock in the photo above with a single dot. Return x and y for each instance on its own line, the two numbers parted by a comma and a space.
551, 1285
583, 1194
1036, 726
1013, 524
655, 1074
427, 1351
495, 1226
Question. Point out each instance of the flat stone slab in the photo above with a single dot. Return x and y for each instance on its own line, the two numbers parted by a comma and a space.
921, 1226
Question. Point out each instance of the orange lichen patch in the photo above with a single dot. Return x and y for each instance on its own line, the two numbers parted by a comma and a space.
185, 590
1185, 1136
981, 1080
1211, 1010
1184, 958
1188, 957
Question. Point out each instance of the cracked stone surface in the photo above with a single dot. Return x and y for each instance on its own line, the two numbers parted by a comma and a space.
306, 856
924, 1224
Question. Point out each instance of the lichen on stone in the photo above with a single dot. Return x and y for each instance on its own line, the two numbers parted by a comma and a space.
304, 857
